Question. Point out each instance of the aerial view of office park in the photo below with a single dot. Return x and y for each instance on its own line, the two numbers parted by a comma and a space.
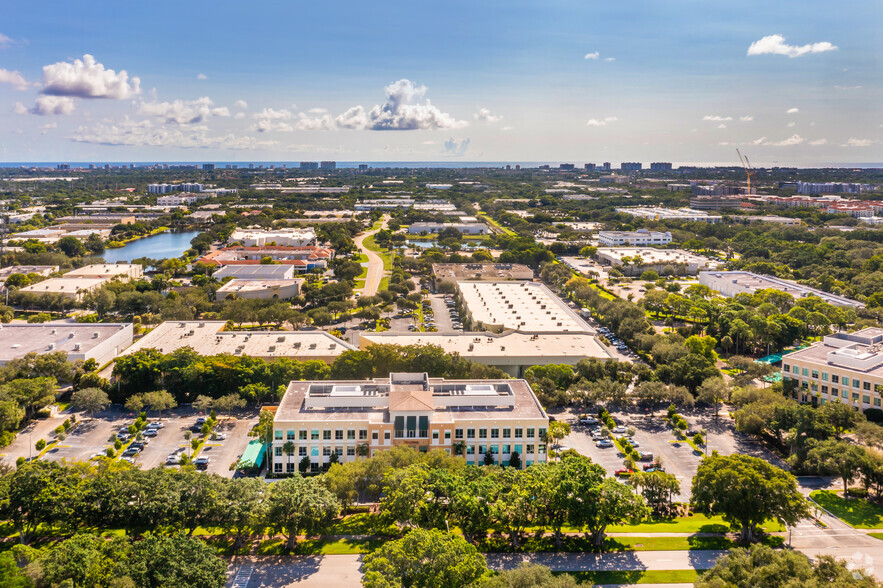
494, 295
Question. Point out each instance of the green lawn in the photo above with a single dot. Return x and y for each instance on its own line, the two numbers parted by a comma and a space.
319, 547
486, 218
876, 536
857, 512
698, 523
635, 577
385, 255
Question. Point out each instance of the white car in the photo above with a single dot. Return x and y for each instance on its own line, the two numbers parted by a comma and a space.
220, 436
173, 459
619, 430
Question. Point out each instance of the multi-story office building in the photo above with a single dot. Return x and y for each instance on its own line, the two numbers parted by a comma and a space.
631, 166
589, 167
309, 165
208, 166
169, 188
660, 166
567, 167
843, 367
328, 165
605, 166
641, 237
359, 418
679, 214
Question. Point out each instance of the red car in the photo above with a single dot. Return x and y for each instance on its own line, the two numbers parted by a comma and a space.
624, 472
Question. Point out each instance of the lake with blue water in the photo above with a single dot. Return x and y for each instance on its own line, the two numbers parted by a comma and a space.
162, 246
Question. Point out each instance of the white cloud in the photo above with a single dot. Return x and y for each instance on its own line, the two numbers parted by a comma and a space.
402, 112
354, 118
722, 126
818, 142
456, 148
792, 111
717, 118
746, 118
270, 119
594, 55
47, 127
19, 108
318, 122
272, 114
609, 59
507, 128
775, 45
858, 143
87, 78
487, 116
201, 76
46, 105
603, 122
183, 112
239, 116
792, 140
14, 78
5, 41
130, 132
758, 141
241, 104
315, 111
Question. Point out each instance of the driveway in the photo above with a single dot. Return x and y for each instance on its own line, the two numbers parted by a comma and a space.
375, 263
222, 454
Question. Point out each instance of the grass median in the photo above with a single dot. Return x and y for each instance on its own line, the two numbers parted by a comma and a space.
857, 512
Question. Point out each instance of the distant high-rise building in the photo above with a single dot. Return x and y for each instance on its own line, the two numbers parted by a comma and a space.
660, 166
589, 167
106, 166
91, 166
631, 166
363, 167
250, 166
208, 166
567, 167
605, 166
308, 165
63, 166
517, 167
508, 166
328, 165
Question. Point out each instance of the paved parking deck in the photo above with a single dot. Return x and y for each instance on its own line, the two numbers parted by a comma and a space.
222, 454
167, 440
90, 436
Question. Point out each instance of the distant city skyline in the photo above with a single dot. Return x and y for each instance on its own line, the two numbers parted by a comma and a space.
790, 84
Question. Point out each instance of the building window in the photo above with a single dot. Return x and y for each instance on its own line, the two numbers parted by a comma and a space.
495, 433
278, 452
835, 378
350, 451
528, 449
435, 435
505, 449
447, 435
289, 467
482, 433
866, 386
845, 381
542, 433
302, 434
805, 371
314, 451
824, 376
374, 436
363, 434
855, 396
876, 402
541, 448
824, 389
866, 399
495, 449
786, 367
470, 450
481, 449
326, 451
458, 433
314, 435
530, 432
470, 433
277, 468
815, 374
277, 434
289, 435
326, 435
351, 435
338, 435
845, 393
386, 435
338, 451
518, 432
301, 451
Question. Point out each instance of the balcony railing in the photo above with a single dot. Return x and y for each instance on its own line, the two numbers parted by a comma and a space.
412, 434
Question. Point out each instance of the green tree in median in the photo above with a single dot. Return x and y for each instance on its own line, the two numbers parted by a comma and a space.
747, 492
90, 400
179, 560
424, 559
297, 505
839, 458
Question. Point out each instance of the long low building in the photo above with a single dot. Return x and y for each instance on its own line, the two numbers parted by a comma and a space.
435, 228
294, 237
255, 272
641, 237
71, 288
843, 367
455, 272
525, 306
511, 351
80, 341
209, 338
676, 214
301, 258
730, 283
635, 260
121, 271
356, 418
261, 289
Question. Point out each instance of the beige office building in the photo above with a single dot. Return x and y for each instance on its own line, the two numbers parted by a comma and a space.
360, 418
844, 367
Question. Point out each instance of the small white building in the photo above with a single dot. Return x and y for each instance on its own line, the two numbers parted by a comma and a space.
292, 237
639, 238
435, 228
262, 289
255, 272
636, 260
123, 271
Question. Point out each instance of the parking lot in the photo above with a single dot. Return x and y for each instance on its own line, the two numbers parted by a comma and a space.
655, 436
442, 312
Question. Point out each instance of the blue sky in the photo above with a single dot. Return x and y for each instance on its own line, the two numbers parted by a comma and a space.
416, 81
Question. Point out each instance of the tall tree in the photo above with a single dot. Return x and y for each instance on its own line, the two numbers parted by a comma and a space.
298, 505
90, 400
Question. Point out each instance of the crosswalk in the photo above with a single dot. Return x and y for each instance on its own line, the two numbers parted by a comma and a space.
243, 575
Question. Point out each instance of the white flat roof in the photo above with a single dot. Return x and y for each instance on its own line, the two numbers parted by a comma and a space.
526, 306
17, 340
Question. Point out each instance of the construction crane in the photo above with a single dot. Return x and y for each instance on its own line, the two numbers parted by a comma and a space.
749, 171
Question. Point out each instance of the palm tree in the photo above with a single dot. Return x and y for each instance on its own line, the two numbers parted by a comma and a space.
288, 448
459, 447
362, 450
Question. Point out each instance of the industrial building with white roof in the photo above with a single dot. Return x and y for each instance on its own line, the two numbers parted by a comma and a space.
525, 306
80, 341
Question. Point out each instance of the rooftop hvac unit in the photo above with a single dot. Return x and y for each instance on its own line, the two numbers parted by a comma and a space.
280, 339
77, 347
70, 336
54, 331
297, 344
312, 345
95, 335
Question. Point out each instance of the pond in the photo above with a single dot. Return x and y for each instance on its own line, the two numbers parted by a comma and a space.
162, 246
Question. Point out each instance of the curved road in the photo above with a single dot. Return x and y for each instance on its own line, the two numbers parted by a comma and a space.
375, 263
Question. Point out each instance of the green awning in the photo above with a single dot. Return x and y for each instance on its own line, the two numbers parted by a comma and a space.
253, 456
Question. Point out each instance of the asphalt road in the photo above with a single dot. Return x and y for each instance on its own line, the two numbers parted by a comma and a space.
375, 263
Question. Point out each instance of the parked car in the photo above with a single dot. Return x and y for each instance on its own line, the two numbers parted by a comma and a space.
623, 473
604, 443
155, 425
221, 436
150, 432
173, 459
200, 420
588, 421
138, 445
619, 430
646, 456
128, 458
201, 463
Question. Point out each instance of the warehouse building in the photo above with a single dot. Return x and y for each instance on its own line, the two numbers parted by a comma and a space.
639, 238
293, 237
636, 260
730, 283
255, 272
80, 341
456, 272
260, 289
525, 306
357, 418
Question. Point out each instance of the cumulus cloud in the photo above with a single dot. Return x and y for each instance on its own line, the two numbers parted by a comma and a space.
601, 122
716, 118
453, 147
270, 119
241, 104
130, 132
314, 120
758, 141
858, 143
14, 78
201, 76
792, 111
46, 105
86, 78
403, 111
746, 118
183, 112
593, 55
19, 108
775, 45
722, 126
818, 142
792, 140
486, 115
315, 111
239, 116
5, 41
609, 59
47, 127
